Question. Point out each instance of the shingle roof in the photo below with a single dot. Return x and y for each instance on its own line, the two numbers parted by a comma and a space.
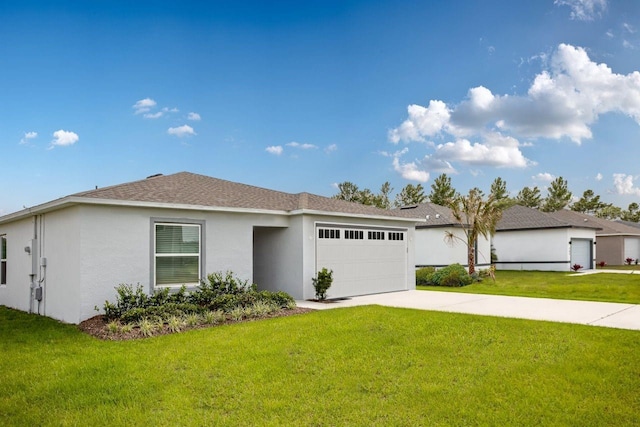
523, 218
606, 227
187, 188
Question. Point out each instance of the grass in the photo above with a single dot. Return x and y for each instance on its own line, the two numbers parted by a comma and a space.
608, 287
633, 267
357, 366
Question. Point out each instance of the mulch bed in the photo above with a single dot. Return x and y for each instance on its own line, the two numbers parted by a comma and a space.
97, 326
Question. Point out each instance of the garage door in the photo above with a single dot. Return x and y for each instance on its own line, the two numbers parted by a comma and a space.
632, 248
363, 260
581, 252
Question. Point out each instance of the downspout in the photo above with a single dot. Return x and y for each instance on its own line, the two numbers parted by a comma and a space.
33, 252
42, 269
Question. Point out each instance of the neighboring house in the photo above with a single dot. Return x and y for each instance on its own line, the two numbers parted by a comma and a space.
616, 241
433, 248
527, 239
63, 258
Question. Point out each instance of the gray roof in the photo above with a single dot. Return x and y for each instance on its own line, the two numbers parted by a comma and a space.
629, 223
433, 215
606, 227
190, 189
523, 218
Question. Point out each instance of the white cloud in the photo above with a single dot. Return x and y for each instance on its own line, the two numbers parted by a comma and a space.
301, 146
410, 171
543, 177
624, 184
496, 155
181, 131
599, 177
64, 138
563, 101
28, 136
274, 149
630, 29
144, 105
331, 148
193, 116
422, 121
584, 10
153, 115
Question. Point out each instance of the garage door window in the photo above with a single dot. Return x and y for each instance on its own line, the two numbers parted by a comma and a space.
325, 233
396, 236
376, 235
354, 234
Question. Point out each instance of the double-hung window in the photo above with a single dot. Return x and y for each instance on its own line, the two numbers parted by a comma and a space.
177, 257
3, 260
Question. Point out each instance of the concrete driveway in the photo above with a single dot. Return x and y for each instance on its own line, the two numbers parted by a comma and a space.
613, 315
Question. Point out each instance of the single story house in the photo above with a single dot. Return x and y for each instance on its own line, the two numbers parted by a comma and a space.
433, 248
527, 239
65, 257
616, 241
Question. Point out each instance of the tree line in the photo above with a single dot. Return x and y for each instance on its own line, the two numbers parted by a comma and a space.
442, 193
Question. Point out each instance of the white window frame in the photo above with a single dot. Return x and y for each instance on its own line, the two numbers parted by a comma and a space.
3, 260
154, 255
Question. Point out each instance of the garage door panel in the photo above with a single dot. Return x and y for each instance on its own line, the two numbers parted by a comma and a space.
363, 266
581, 252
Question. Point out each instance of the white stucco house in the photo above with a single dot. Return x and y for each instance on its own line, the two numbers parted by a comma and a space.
433, 248
527, 239
615, 241
64, 257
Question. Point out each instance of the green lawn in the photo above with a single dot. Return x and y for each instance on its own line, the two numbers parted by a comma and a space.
356, 366
609, 287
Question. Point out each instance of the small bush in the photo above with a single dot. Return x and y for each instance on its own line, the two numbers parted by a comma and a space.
424, 276
453, 275
322, 282
601, 264
629, 261
576, 267
214, 317
147, 327
175, 324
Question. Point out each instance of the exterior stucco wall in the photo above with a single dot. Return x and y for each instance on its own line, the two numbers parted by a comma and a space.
90, 249
278, 256
433, 249
610, 249
541, 249
117, 247
16, 292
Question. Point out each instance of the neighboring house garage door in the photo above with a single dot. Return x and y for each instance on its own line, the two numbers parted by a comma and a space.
363, 260
581, 252
632, 247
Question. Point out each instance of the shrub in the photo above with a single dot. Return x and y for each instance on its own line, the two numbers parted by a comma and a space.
601, 264
453, 275
629, 261
147, 327
175, 323
220, 292
214, 317
424, 276
576, 267
322, 282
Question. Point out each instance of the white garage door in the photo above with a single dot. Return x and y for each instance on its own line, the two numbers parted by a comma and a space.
581, 252
632, 247
363, 260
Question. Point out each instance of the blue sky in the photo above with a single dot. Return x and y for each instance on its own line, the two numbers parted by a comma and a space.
298, 96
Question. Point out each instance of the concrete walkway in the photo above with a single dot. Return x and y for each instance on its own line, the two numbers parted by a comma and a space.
613, 315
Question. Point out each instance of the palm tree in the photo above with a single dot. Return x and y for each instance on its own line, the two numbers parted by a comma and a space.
477, 217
